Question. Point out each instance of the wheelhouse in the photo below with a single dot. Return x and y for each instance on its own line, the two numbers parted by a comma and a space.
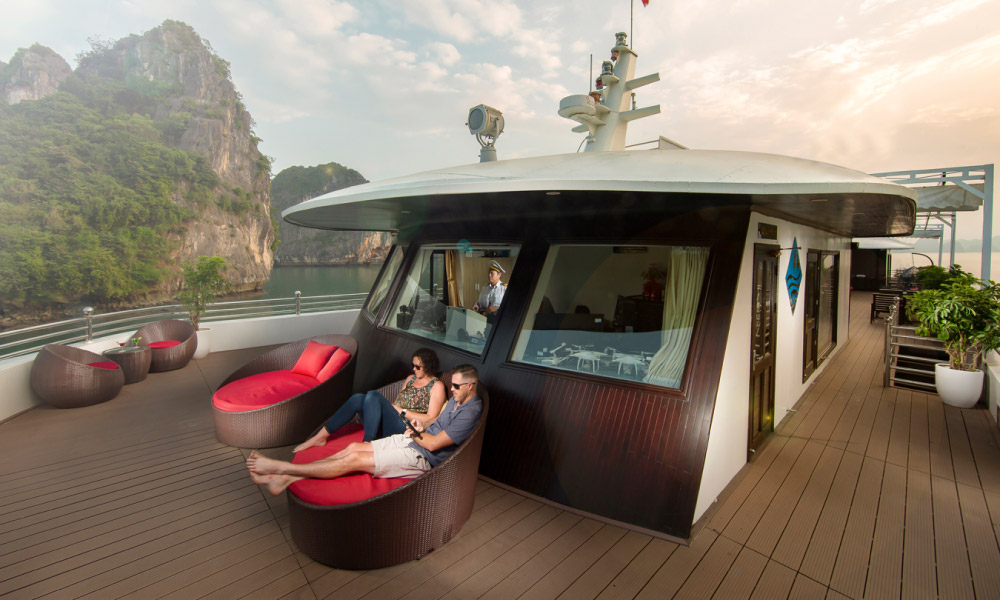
642, 347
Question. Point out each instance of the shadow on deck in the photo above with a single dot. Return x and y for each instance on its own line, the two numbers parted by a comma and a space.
863, 492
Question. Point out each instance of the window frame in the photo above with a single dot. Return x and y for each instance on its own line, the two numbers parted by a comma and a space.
396, 249
409, 259
682, 391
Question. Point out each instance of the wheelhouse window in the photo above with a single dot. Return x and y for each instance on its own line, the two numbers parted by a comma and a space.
381, 287
625, 312
449, 294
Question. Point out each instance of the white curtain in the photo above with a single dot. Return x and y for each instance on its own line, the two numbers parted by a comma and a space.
685, 273
451, 271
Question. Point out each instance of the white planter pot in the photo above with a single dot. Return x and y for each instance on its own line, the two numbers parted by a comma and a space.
204, 343
958, 388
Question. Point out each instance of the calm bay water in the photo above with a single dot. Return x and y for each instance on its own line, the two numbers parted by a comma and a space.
320, 281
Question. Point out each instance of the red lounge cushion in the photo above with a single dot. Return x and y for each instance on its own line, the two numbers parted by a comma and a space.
342, 490
333, 366
163, 344
313, 358
260, 390
104, 364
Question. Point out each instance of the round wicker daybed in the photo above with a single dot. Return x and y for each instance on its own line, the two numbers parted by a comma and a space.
400, 525
291, 420
66, 377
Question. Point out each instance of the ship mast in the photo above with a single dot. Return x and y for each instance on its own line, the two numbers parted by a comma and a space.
605, 113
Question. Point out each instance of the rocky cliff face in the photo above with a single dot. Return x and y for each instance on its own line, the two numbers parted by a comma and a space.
304, 246
32, 74
203, 114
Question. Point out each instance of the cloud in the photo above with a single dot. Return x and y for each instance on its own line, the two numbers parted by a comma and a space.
544, 50
851, 83
316, 17
444, 53
940, 14
463, 20
847, 56
868, 6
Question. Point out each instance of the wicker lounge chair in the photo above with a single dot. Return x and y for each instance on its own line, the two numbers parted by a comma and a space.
397, 526
63, 377
173, 357
289, 421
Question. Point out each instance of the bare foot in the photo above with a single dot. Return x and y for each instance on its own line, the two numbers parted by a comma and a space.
262, 465
317, 440
274, 484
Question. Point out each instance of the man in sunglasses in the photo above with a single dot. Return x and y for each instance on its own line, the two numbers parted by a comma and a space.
399, 455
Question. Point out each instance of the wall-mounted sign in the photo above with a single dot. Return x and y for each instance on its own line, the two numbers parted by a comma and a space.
767, 231
793, 276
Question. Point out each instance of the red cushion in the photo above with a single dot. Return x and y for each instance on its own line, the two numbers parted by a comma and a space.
163, 344
104, 364
260, 390
336, 362
342, 490
313, 358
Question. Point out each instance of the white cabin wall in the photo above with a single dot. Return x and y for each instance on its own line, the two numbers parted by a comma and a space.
727, 444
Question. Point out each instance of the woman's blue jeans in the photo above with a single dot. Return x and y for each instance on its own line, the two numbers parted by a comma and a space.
378, 416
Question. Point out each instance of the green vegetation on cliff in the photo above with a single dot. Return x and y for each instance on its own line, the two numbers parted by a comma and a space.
296, 184
300, 245
87, 198
93, 184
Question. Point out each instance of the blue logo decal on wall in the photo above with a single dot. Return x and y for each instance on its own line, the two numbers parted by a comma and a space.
793, 277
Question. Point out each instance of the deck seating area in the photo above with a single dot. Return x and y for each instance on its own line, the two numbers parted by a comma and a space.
863, 492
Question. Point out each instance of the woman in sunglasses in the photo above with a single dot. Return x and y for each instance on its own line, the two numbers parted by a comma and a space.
421, 398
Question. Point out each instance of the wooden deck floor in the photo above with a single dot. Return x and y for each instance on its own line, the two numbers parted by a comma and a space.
863, 492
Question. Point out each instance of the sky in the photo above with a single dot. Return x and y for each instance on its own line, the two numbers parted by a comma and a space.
384, 86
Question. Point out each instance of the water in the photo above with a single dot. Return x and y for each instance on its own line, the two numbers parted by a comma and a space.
320, 281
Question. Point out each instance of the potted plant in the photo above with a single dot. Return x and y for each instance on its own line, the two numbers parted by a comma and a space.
203, 282
964, 313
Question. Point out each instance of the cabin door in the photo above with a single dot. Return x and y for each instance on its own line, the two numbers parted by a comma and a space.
810, 341
820, 337
763, 325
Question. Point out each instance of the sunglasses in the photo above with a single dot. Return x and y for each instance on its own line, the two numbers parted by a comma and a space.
458, 386
417, 367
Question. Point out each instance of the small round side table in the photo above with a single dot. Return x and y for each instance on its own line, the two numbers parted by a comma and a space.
134, 361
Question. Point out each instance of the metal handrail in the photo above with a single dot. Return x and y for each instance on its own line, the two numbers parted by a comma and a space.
26, 340
904, 336
890, 322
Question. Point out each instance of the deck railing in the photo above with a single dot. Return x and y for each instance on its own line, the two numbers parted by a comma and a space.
89, 325
909, 358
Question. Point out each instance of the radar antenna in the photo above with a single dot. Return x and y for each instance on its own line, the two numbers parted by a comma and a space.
604, 113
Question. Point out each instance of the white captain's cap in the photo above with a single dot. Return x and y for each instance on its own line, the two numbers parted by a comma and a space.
495, 266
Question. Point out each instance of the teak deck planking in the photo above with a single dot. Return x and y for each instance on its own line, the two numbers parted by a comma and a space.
862, 492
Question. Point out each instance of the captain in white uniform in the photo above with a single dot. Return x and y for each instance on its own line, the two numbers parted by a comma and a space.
491, 295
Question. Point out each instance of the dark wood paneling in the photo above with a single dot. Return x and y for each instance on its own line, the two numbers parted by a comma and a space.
626, 451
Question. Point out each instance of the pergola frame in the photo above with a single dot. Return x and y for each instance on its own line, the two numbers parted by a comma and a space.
963, 177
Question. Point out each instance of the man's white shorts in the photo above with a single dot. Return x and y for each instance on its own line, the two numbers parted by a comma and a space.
395, 458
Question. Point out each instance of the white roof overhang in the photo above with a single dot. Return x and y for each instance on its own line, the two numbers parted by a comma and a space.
824, 195
882, 243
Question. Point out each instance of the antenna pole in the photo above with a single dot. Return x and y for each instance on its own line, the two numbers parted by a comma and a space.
631, 22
